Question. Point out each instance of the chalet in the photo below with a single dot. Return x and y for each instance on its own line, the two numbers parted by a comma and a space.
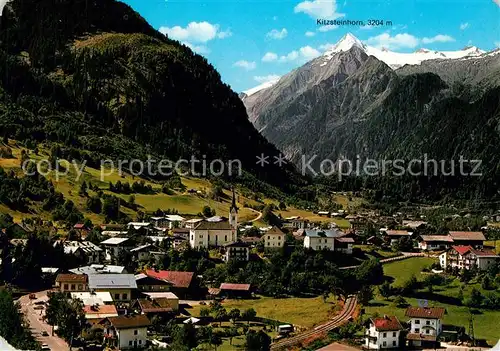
466, 257
166, 305
181, 232
425, 326
343, 244
147, 283
274, 238
120, 286
383, 333
238, 250
126, 332
168, 221
235, 290
182, 284
72, 282
192, 223
321, 239
394, 235
474, 239
251, 240
114, 246
85, 250
144, 252
434, 242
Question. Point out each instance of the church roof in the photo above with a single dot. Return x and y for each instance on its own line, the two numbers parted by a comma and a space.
233, 203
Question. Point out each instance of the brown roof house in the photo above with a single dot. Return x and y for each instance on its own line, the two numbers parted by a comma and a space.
426, 325
383, 333
126, 332
182, 284
232, 290
167, 304
474, 239
72, 282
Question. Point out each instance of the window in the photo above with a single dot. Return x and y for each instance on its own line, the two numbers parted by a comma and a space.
384, 343
65, 286
385, 335
428, 322
192, 236
394, 343
80, 287
417, 330
117, 296
140, 342
268, 237
135, 332
201, 236
417, 321
130, 343
394, 334
427, 331
124, 296
225, 237
73, 286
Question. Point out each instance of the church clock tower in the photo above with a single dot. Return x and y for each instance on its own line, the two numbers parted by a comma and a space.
233, 218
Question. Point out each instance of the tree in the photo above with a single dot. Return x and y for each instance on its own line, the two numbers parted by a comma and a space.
204, 312
220, 314
475, 299
257, 341
400, 302
385, 290
83, 189
67, 314
249, 314
486, 283
365, 295
404, 244
12, 326
234, 314
208, 212
232, 332
410, 285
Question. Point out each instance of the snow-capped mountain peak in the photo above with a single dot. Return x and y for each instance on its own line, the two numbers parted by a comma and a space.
345, 44
262, 86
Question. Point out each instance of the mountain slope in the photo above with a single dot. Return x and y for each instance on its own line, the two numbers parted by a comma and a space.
94, 76
349, 104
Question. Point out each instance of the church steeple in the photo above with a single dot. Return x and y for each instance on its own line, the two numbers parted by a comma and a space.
233, 217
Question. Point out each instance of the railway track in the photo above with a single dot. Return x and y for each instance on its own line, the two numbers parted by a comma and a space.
337, 321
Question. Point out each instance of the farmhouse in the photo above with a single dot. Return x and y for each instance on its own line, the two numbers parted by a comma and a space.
120, 286
394, 235
474, 239
274, 238
238, 250
425, 325
84, 250
383, 333
321, 239
114, 246
235, 290
435, 242
181, 283
126, 332
72, 282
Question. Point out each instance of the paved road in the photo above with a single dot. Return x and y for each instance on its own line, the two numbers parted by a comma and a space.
259, 216
404, 255
344, 316
37, 325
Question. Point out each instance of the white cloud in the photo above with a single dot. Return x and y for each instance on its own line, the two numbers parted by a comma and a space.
224, 34
497, 2
326, 9
303, 54
196, 32
385, 40
245, 64
269, 57
310, 34
199, 49
464, 26
327, 28
326, 47
277, 34
440, 38
266, 79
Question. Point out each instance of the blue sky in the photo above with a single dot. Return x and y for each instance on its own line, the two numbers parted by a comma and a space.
250, 41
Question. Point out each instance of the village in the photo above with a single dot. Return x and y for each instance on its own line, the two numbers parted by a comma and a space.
127, 298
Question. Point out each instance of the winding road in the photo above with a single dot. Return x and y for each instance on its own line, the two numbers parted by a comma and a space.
343, 317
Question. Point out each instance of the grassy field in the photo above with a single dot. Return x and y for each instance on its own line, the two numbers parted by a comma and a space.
493, 243
304, 312
485, 323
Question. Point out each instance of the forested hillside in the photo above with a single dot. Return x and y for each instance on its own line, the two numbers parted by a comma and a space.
95, 78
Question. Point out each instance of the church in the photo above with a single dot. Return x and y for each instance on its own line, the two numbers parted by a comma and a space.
216, 232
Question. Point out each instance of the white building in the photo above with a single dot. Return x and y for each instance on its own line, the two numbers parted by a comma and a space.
208, 233
85, 250
238, 250
274, 238
383, 333
426, 325
321, 239
113, 247
126, 332
466, 257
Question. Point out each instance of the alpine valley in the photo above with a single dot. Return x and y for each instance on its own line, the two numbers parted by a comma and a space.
357, 101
